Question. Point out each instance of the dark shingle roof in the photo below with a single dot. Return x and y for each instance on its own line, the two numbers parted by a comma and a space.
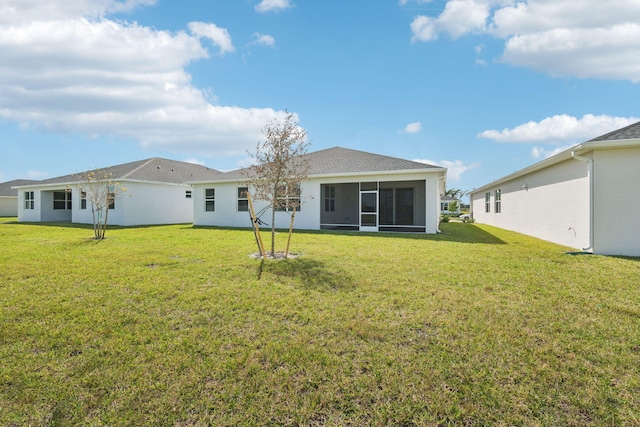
154, 169
7, 191
338, 160
629, 132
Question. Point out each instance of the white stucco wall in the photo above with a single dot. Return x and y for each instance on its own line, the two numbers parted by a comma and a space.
29, 215
551, 204
617, 202
8, 206
143, 203
308, 218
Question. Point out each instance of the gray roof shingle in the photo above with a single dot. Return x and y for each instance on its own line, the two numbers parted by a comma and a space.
7, 191
628, 132
155, 169
338, 160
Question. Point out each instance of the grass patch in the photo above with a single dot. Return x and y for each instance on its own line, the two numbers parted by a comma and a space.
178, 326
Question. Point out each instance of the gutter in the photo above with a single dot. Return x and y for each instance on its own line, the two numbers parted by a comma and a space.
442, 177
589, 162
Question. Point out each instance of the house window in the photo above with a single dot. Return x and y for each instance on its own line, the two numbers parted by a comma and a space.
243, 201
29, 200
329, 198
187, 194
209, 199
289, 200
111, 199
62, 200
498, 202
83, 200
487, 202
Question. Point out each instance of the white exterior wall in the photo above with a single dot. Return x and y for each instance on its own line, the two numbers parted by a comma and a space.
143, 204
551, 204
8, 206
617, 202
29, 215
308, 218
226, 212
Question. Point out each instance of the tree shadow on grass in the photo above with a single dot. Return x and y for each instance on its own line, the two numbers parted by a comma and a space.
313, 274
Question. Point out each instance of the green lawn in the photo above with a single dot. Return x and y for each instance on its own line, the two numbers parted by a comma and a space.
178, 326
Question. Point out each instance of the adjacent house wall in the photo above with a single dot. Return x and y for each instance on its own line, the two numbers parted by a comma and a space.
143, 203
8, 206
617, 196
551, 204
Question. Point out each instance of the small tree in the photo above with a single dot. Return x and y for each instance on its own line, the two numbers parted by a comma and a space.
99, 189
280, 168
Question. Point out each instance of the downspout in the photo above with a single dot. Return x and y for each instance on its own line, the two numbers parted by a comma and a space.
443, 177
589, 162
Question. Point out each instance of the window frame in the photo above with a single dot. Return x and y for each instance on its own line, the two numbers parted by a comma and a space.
209, 199
111, 200
329, 198
62, 203
498, 201
487, 202
242, 202
284, 201
29, 200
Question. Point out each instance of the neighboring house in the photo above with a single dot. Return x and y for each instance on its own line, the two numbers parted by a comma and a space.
9, 196
156, 194
345, 190
446, 201
587, 197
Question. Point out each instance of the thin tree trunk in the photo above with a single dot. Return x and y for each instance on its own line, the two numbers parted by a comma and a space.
293, 216
273, 230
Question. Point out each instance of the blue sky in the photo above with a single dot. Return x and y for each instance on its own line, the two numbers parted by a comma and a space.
483, 87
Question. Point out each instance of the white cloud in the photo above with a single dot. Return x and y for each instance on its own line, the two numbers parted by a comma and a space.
543, 153
458, 18
18, 12
587, 39
273, 5
65, 71
559, 129
423, 29
218, 36
414, 127
455, 168
263, 40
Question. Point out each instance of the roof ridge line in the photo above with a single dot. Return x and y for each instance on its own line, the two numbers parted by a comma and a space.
139, 167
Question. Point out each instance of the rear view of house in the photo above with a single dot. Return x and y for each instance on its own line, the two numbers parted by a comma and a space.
586, 197
156, 193
345, 190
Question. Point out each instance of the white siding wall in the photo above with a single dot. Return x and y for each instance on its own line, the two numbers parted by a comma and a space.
551, 204
617, 195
